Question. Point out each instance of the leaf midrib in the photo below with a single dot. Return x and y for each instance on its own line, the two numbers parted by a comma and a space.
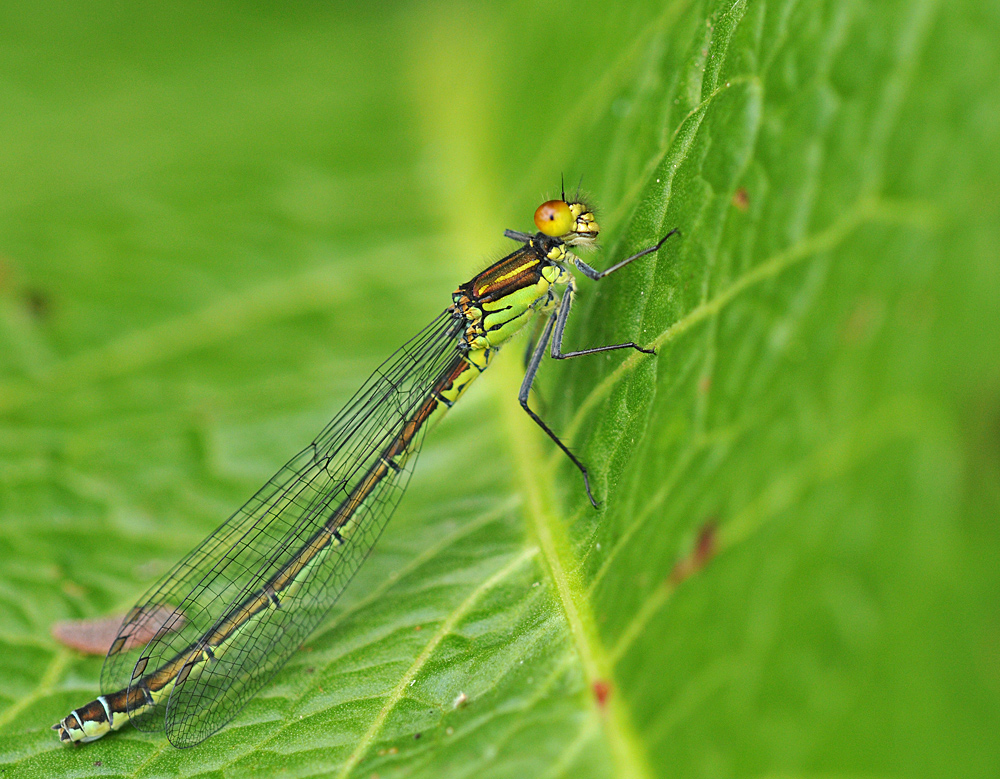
549, 531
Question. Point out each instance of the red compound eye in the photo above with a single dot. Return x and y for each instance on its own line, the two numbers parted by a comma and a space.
554, 218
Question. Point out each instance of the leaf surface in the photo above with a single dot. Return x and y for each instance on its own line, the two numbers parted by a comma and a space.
218, 223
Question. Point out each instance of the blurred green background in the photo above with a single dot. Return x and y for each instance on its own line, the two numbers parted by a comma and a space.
217, 219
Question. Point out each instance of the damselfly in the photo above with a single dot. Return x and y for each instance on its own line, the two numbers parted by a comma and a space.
247, 597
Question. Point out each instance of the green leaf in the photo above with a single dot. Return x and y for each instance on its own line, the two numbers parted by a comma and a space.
219, 220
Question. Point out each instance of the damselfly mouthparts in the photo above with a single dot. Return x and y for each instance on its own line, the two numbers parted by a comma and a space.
246, 597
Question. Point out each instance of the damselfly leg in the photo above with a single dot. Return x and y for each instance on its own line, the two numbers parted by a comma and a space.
554, 329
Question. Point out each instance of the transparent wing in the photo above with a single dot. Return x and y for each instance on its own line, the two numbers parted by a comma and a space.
210, 589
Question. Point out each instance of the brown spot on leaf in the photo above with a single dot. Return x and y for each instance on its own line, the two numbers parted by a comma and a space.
741, 200
38, 302
862, 322
602, 690
703, 551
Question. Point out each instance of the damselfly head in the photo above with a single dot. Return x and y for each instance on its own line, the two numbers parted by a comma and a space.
572, 223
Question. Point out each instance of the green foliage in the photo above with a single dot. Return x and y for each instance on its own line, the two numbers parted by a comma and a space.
218, 220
